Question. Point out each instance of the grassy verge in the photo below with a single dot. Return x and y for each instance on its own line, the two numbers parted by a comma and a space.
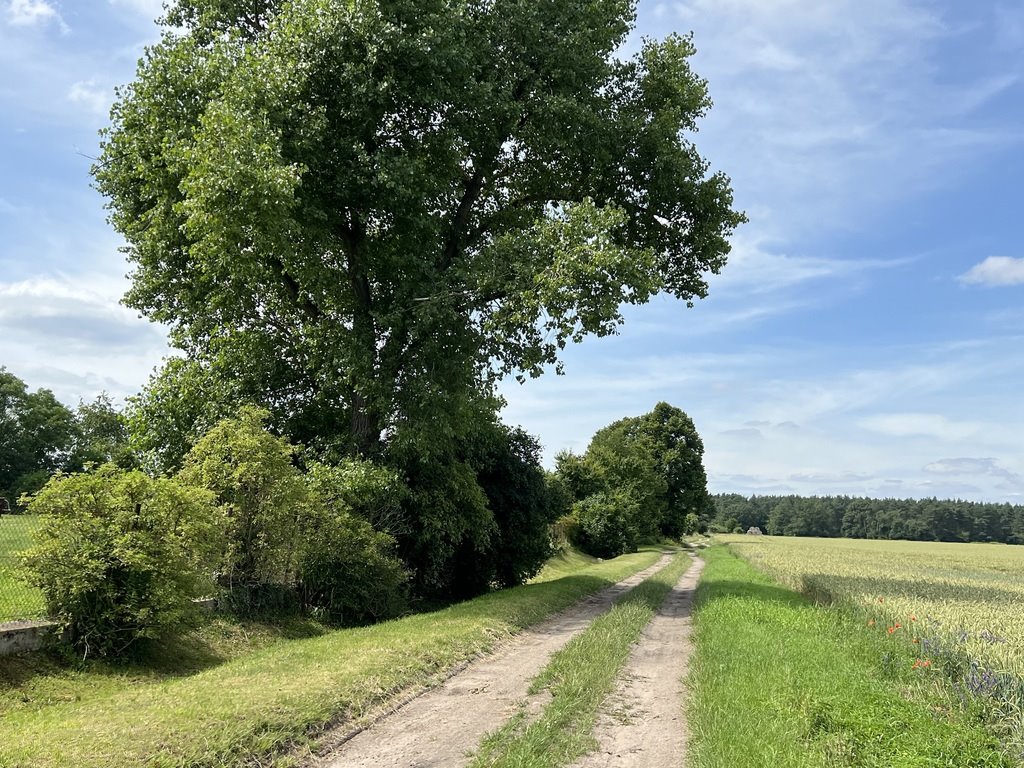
260, 703
579, 677
17, 599
780, 681
566, 562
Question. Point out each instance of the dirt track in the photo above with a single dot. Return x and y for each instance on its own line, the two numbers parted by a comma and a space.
444, 725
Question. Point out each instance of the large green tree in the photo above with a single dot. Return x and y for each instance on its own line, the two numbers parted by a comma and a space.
362, 213
37, 436
651, 464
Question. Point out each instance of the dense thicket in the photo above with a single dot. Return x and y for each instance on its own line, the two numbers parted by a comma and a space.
862, 518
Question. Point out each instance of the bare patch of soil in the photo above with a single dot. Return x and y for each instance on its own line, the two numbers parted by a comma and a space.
442, 726
643, 723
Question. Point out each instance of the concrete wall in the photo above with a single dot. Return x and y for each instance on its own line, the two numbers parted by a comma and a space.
20, 636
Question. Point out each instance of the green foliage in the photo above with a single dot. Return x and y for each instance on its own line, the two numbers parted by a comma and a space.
102, 435
261, 494
38, 437
120, 555
349, 572
370, 491
451, 530
580, 476
180, 403
358, 215
507, 462
860, 518
654, 465
607, 524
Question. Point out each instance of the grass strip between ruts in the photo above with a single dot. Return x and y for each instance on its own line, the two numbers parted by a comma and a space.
780, 681
258, 705
579, 676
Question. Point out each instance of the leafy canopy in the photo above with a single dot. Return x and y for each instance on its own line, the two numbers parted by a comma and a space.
362, 213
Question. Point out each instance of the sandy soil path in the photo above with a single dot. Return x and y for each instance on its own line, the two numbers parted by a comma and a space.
643, 723
442, 726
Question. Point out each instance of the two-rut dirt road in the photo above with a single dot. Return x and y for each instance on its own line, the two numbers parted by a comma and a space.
444, 725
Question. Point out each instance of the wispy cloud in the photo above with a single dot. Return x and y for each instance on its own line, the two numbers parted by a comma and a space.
920, 424
27, 13
89, 94
996, 271
970, 466
828, 113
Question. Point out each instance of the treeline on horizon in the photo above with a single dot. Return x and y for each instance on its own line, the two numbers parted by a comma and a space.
855, 517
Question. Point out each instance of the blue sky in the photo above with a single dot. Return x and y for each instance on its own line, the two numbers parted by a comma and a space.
865, 337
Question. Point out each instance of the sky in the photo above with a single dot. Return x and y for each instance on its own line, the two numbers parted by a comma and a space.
865, 337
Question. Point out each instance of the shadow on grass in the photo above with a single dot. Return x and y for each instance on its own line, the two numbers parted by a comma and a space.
215, 643
708, 591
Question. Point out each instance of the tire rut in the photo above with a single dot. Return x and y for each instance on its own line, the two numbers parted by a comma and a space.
443, 725
643, 721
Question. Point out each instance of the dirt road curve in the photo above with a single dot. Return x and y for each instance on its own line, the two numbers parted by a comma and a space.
643, 723
444, 725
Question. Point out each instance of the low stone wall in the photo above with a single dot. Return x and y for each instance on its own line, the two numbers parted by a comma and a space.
20, 636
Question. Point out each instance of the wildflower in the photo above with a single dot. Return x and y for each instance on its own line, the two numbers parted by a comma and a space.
897, 625
915, 640
891, 630
913, 617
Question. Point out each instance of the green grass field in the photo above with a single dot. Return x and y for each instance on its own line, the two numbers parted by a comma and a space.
966, 594
17, 599
780, 680
218, 703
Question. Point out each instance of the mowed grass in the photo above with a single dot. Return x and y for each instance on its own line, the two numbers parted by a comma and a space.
260, 705
781, 681
579, 677
970, 593
17, 599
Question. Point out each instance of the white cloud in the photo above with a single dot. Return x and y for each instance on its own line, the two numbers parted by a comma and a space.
26, 13
91, 96
996, 270
70, 334
830, 113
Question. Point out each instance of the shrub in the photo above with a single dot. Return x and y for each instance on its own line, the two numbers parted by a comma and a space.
349, 571
372, 492
120, 556
607, 525
564, 530
262, 496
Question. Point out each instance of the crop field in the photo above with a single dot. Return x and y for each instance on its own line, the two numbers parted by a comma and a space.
962, 598
17, 599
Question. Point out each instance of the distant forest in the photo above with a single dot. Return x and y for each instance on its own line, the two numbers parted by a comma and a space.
859, 518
